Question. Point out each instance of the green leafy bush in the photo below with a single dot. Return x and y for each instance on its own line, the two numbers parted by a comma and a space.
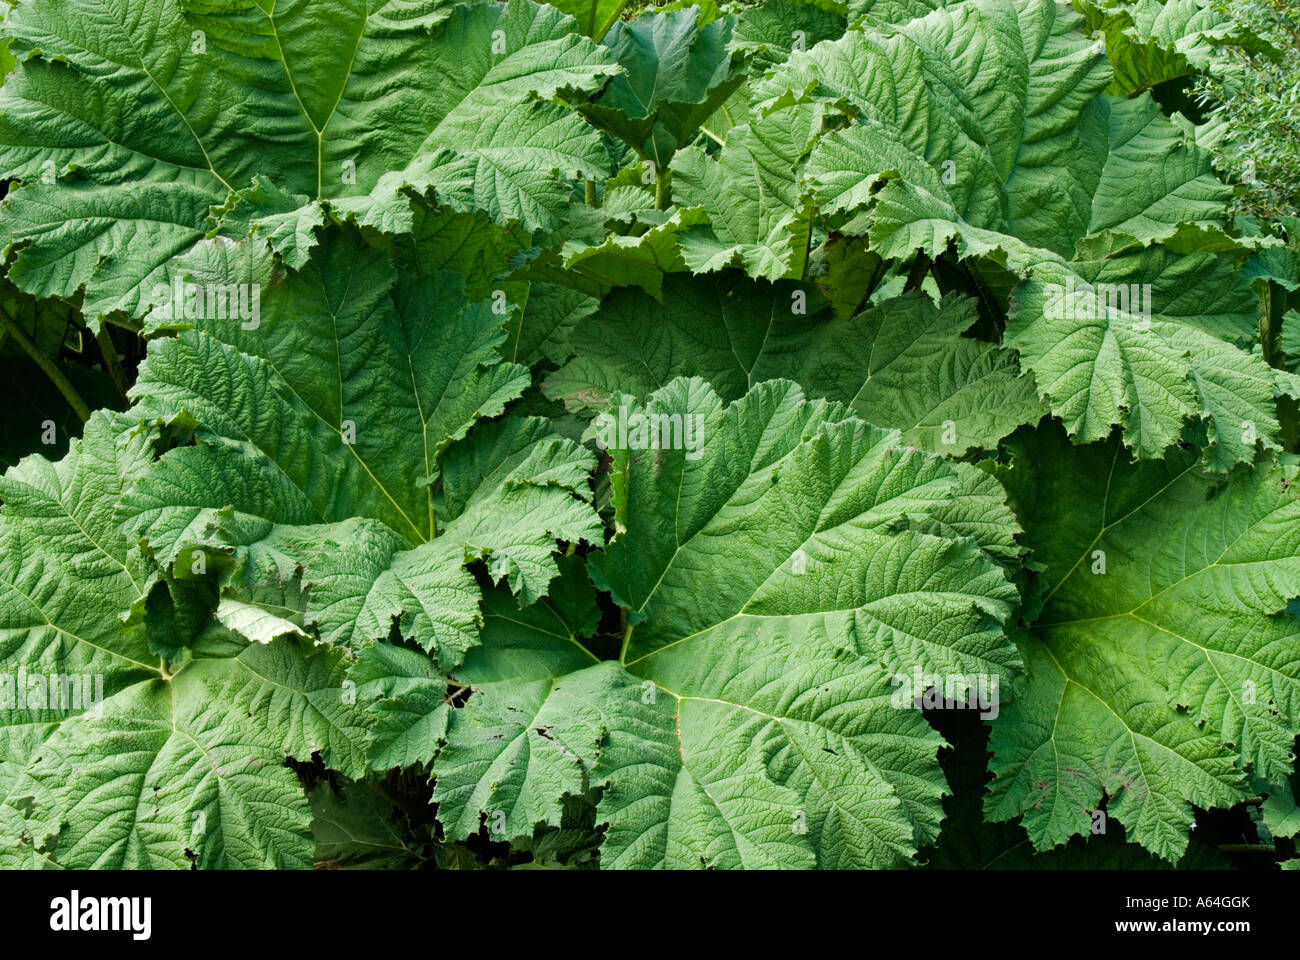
1256, 96
789, 435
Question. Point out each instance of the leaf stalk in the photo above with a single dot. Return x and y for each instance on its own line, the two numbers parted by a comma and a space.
48, 366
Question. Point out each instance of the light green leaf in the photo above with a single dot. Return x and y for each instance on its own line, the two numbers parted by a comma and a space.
295, 478
127, 121
407, 697
760, 215
774, 675
1155, 362
641, 260
594, 16
190, 770
1147, 564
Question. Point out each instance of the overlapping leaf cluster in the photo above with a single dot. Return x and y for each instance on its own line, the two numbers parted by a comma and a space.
628, 409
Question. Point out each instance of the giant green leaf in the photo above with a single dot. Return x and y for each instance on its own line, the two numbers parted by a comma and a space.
751, 719
127, 121
501, 755
1158, 362
1160, 659
1026, 147
969, 842
785, 655
189, 769
333, 453
1161, 360
137, 762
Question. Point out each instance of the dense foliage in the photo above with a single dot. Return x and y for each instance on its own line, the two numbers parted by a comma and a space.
782, 435
1255, 92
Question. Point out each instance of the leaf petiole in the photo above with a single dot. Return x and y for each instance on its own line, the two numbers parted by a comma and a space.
48, 366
